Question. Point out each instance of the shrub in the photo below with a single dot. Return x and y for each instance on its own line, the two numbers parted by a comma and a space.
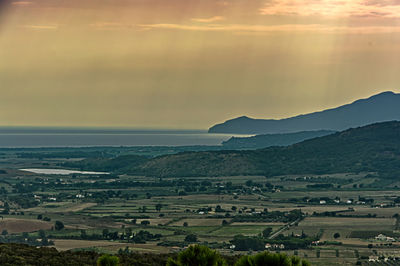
191, 238
108, 260
145, 223
197, 256
58, 225
267, 232
271, 259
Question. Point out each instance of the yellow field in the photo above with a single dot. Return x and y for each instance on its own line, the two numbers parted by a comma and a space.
63, 245
23, 225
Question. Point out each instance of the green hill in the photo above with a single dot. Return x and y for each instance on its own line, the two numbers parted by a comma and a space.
269, 140
372, 148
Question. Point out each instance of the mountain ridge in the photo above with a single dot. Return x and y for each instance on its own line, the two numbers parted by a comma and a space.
269, 140
377, 108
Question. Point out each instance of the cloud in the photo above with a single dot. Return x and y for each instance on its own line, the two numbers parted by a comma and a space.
110, 25
208, 20
382, 2
22, 3
334, 8
41, 27
319, 28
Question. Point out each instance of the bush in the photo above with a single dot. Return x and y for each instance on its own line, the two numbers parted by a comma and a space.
244, 243
58, 225
145, 223
191, 238
108, 260
197, 256
267, 232
271, 259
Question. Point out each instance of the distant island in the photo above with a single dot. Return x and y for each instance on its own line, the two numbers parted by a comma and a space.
378, 108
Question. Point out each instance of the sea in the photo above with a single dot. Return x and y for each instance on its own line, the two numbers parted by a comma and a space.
84, 137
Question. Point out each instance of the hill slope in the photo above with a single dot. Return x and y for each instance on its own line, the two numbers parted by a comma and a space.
373, 148
378, 108
269, 140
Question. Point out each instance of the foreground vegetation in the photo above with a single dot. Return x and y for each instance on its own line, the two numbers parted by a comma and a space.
17, 254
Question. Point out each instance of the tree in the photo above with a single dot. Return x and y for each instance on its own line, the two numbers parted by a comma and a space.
4, 232
191, 238
336, 235
42, 233
83, 234
105, 232
244, 243
197, 256
58, 225
45, 241
185, 224
267, 232
145, 223
271, 259
158, 207
225, 222
6, 208
108, 260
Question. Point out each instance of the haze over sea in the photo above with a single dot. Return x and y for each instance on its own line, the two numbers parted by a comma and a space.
76, 137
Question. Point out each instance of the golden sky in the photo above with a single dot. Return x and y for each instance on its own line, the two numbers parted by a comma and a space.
190, 63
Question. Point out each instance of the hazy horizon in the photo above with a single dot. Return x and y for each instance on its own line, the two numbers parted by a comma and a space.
139, 129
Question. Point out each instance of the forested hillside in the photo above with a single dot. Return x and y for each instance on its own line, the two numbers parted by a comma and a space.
373, 148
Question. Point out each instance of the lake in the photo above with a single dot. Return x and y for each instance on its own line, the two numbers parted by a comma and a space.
42, 137
61, 172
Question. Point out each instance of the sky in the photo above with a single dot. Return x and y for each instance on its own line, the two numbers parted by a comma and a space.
190, 63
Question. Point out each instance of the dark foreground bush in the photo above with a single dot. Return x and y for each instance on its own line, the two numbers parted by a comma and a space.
271, 259
20, 254
197, 256
108, 260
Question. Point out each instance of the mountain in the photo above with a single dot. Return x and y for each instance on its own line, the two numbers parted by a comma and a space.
269, 140
372, 148
378, 108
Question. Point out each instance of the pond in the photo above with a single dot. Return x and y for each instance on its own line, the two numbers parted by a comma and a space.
61, 172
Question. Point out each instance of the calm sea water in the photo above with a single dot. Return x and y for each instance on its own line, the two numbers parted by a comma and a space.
43, 137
